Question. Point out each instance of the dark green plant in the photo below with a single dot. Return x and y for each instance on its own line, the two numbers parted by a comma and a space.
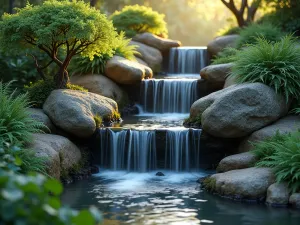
284, 158
40, 90
249, 34
227, 55
34, 199
274, 64
135, 19
70, 26
16, 124
98, 120
229, 31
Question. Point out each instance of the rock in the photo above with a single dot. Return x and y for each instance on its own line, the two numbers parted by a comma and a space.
61, 153
99, 84
140, 61
160, 174
240, 110
154, 41
40, 116
216, 74
219, 43
74, 111
230, 81
278, 195
288, 124
150, 55
244, 184
238, 161
295, 200
95, 169
123, 71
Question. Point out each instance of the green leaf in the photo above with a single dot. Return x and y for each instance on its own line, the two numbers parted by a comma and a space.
84, 217
54, 186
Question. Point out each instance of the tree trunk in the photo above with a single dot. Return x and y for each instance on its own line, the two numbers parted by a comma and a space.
11, 6
61, 79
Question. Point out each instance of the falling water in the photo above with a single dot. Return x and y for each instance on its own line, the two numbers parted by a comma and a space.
169, 95
182, 149
187, 60
133, 150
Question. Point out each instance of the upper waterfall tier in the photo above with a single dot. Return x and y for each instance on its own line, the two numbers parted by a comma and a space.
187, 60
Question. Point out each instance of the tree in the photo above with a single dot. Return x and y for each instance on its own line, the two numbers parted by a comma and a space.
245, 13
61, 29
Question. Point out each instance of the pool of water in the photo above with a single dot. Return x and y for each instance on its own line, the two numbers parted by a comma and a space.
151, 121
143, 198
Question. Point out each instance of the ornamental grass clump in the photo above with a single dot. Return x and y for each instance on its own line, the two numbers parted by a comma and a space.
135, 19
283, 156
274, 64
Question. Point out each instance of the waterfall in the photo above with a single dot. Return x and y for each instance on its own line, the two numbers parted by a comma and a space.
169, 95
182, 149
133, 150
137, 150
187, 60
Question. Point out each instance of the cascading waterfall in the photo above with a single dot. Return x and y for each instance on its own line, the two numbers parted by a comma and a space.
182, 149
133, 150
187, 60
169, 95
136, 150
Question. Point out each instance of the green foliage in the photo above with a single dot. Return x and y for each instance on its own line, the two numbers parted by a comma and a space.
122, 47
114, 117
229, 31
227, 55
136, 19
276, 65
98, 120
283, 156
209, 184
71, 26
34, 199
76, 87
250, 34
16, 124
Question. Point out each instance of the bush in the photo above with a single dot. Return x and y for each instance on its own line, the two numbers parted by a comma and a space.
283, 156
16, 124
227, 55
34, 199
250, 34
114, 117
136, 19
229, 31
123, 49
276, 65
39, 91
98, 120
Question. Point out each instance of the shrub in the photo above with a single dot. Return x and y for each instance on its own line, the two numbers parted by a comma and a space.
250, 34
72, 27
122, 48
136, 19
283, 156
229, 31
276, 65
227, 55
98, 120
39, 91
34, 199
114, 117
16, 124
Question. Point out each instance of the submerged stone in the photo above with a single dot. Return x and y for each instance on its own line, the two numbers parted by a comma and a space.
159, 174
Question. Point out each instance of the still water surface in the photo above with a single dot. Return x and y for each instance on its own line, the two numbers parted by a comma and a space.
176, 199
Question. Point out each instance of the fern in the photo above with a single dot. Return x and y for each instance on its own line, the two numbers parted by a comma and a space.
122, 47
227, 55
282, 154
276, 65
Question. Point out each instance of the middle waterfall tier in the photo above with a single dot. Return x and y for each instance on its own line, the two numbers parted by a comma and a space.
168, 95
146, 150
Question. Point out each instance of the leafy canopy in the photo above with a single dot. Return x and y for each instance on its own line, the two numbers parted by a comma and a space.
274, 64
136, 19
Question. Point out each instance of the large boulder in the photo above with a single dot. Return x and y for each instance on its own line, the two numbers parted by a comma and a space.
230, 81
61, 154
278, 194
237, 161
219, 43
295, 200
154, 41
123, 71
99, 84
240, 110
216, 74
40, 116
288, 124
74, 111
150, 55
244, 184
